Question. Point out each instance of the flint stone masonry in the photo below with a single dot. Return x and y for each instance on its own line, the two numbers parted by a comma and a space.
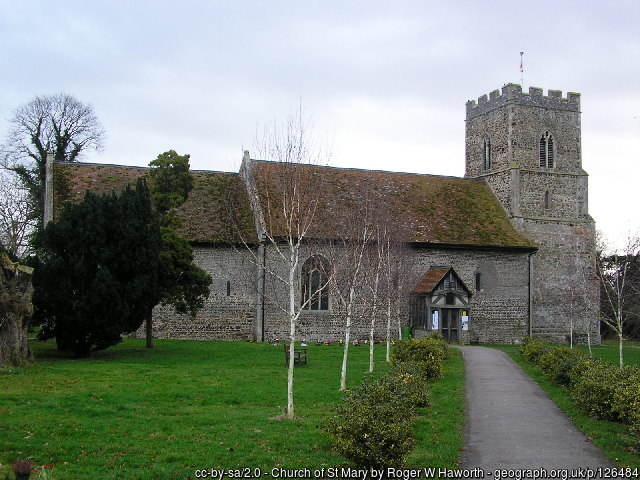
550, 205
500, 309
223, 317
513, 93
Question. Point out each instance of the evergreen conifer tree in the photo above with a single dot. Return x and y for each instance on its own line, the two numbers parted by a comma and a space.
98, 274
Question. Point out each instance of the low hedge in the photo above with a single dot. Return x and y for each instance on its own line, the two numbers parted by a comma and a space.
533, 348
372, 427
427, 353
409, 381
557, 363
602, 389
626, 404
593, 386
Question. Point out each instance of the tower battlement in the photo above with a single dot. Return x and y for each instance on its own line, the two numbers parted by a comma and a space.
512, 93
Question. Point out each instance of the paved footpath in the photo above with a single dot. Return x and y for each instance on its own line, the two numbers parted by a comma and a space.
512, 424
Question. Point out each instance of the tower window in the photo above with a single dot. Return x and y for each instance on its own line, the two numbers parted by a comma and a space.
478, 281
547, 200
486, 154
546, 150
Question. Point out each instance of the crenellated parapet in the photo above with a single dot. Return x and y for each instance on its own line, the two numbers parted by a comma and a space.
512, 93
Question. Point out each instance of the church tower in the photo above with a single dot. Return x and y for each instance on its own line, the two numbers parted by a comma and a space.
527, 148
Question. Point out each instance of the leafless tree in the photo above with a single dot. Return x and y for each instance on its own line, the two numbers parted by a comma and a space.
585, 300
284, 198
618, 272
353, 237
374, 276
15, 225
58, 124
396, 267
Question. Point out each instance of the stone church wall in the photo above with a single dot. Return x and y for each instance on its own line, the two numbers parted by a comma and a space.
498, 311
229, 312
565, 288
567, 195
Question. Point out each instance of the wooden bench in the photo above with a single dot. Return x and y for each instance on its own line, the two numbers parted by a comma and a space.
299, 355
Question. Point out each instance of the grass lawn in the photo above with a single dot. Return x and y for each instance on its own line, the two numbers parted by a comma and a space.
134, 413
613, 438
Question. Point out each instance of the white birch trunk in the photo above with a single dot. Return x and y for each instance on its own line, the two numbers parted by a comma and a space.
620, 320
571, 331
620, 352
374, 312
292, 332
292, 346
388, 329
345, 354
373, 326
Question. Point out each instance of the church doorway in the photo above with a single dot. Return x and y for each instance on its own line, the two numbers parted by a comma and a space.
440, 303
450, 324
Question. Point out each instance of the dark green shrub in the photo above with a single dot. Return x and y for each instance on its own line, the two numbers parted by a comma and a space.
580, 369
427, 353
437, 336
410, 381
594, 385
533, 348
626, 400
558, 362
372, 427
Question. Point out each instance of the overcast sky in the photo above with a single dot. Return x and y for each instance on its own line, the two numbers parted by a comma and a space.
385, 82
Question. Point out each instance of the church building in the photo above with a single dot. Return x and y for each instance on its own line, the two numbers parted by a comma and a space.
505, 252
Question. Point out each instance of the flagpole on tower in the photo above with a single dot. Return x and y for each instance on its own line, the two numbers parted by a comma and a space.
521, 71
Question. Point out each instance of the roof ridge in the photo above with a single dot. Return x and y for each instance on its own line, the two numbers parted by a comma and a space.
138, 167
356, 169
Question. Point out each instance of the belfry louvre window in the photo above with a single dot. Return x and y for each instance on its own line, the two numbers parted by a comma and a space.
486, 154
546, 150
315, 291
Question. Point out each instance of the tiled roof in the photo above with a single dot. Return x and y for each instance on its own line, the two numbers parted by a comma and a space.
419, 208
204, 215
430, 281
436, 210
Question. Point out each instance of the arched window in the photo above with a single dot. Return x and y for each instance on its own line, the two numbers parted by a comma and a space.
315, 291
546, 150
486, 154
547, 200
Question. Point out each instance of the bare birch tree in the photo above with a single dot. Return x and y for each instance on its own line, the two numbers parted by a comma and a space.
382, 280
618, 273
585, 303
395, 271
284, 197
353, 237
375, 272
